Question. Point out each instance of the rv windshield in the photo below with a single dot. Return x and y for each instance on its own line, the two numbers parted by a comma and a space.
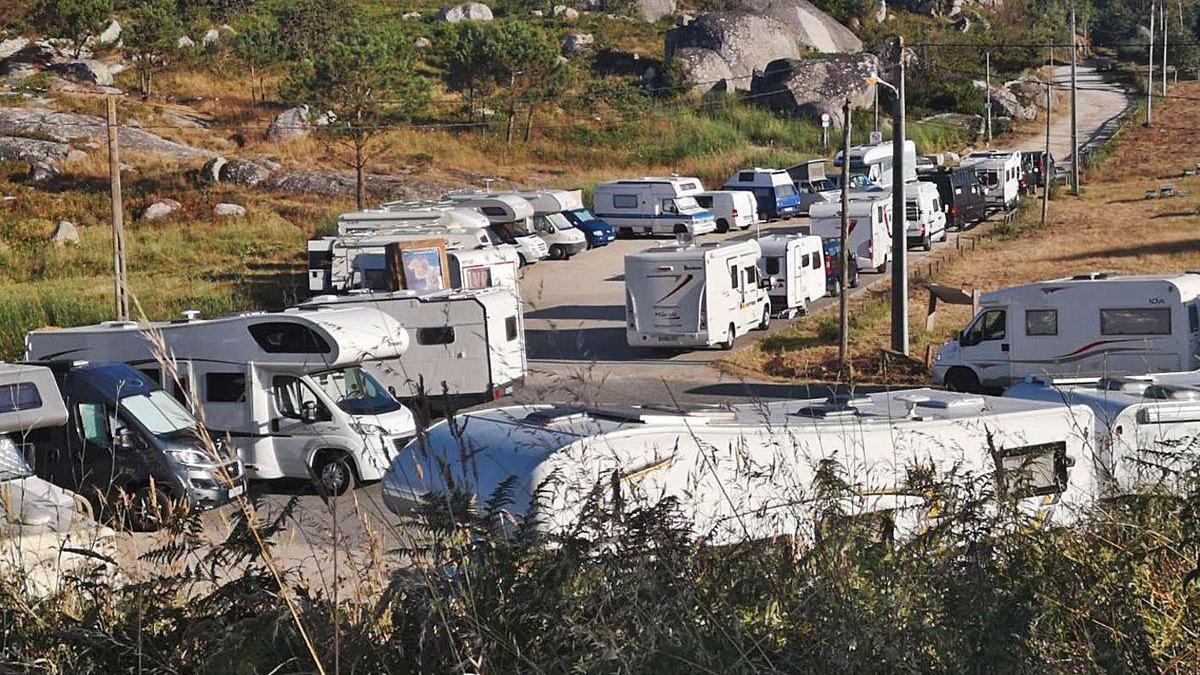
687, 204
160, 414
559, 221
862, 174
355, 391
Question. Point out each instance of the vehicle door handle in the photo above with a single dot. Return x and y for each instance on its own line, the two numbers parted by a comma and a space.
1003, 346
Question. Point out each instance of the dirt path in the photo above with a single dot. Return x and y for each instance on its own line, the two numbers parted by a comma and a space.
1099, 101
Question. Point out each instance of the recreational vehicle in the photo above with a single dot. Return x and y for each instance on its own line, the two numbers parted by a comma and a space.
746, 472
464, 347
870, 226
653, 206
1000, 174
694, 296
510, 218
924, 220
479, 268
795, 266
732, 209
419, 214
961, 196
773, 191
557, 207
287, 390
1091, 325
872, 165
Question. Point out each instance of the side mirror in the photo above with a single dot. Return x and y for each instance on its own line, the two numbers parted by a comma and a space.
308, 413
123, 439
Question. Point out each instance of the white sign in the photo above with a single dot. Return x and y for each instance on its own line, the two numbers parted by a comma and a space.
825, 120
876, 137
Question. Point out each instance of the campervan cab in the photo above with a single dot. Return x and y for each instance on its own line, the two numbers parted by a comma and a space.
569, 205
872, 165
464, 347
812, 184
550, 222
1000, 174
794, 263
773, 191
870, 226
746, 472
924, 220
653, 206
694, 296
509, 218
287, 390
1090, 325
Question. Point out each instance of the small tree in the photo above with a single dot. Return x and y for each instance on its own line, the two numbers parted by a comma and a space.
524, 57
364, 81
153, 34
76, 20
469, 60
257, 41
306, 25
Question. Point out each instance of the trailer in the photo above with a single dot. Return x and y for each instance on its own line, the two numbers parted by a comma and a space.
999, 172
795, 266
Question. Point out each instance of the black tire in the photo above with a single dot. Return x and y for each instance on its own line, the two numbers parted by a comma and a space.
728, 343
522, 261
945, 235
927, 243
835, 289
963, 379
149, 509
766, 318
557, 252
625, 232
680, 228
722, 226
854, 277
333, 473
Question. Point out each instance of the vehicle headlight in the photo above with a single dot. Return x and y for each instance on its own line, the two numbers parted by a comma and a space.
370, 430
596, 233
191, 457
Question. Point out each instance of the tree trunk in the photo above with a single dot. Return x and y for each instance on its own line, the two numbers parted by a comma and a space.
529, 122
512, 107
253, 77
360, 185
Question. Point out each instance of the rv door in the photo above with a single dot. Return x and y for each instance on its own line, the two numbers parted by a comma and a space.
986, 346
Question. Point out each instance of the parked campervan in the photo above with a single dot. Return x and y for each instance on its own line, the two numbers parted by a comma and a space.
1000, 174
870, 226
961, 195
924, 220
464, 347
746, 472
549, 222
416, 214
565, 208
795, 266
773, 191
1147, 427
1090, 325
694, 296
872, 164
287, 390
812, 184
653, 206
732, 209
510, 219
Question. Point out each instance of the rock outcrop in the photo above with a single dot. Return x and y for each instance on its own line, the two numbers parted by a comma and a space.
653, 10
811, 87
159, 209
66, 127
226, 210
89, 71
577, 43
65, 233
467, 11
244, 172
19, 149
289, 124
810, 26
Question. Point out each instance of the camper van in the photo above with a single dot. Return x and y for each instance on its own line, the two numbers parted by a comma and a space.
733, 209
694, 296
510, 219
746, 472
924, 220
287, 390
1090, 325
653, 206
872, 165
549, 223
812, 184
464, 347
1000, 174
773, 191
1147, 427
568, 205
870, 226
961, 196
795, 266
398, 215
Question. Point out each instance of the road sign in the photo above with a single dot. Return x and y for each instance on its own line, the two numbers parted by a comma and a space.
876, 137
826, 120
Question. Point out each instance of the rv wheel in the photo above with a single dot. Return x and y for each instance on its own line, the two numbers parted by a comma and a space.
522, 261
625, 232
927, 243
964, 380
728, 343
334, 475
680, 228
557, 252
854, 277
766, 319
722, 226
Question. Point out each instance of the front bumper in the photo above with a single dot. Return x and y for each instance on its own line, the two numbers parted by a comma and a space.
211, 488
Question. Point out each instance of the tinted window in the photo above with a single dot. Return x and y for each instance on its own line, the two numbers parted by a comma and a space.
438, 335
804, 260
625, 201
705, 201
1041, 322
772, 265
152, 374
288, 338
181, 391
689, 187
989, 326
746, 177
816, 261
225, 388
1147, 321
510, 328
19, 396
1193, 319
291, 395
494, 211
733, 277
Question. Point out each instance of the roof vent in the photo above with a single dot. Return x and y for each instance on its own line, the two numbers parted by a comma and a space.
1091, 276
827, 410
1172, 392
190, 314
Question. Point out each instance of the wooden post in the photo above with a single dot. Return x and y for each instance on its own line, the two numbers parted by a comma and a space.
120, 286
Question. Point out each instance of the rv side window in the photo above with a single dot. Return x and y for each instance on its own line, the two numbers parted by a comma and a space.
291, 395
804, 261
733, 277
225, 388
816, 261
668, 206
280, 337
705, 201
493, 211
1145, 321
19, 396
152, 374
751, 272
1041, 322
510, 328
181, 391
479, 277
1194, 318
746, 177
625, 201
772, 265
437, 335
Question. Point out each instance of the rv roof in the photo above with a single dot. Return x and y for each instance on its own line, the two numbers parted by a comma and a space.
696, 249
1187, 284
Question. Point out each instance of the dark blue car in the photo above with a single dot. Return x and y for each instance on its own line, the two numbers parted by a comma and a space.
598, 232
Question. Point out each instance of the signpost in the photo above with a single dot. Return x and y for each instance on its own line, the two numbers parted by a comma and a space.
826, 122
876, 137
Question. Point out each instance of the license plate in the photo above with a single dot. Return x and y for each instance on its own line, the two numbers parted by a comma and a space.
236, 491
665, 338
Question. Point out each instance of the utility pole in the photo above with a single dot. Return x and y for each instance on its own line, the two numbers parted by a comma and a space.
987, 56
877, 108
120, 287
899, 239
1074, 113
844, 249
1150, 73
1162, 7
1047, 168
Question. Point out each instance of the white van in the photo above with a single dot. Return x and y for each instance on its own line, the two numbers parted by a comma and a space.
774, 193
1091, 325
872, 165
287, 390
795, 266
924, 220
510, 219
653, 206
731, 208
750, 472
999, 172
870, 226
694, 296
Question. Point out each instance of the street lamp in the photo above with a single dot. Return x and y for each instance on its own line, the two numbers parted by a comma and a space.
874, 80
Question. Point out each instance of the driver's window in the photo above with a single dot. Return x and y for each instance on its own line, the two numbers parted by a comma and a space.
989, 326
668, 206
93, 424
291, 395
540, 224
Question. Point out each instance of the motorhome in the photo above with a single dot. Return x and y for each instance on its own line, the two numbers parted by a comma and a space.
812, 184
131, 448
695, 295
870, 226
566, 206
773, 191
924, 220
550, 223
733, 209
287, 390
795, 266
1147, 427
1036, 165
653, 206
474, 269
999, 172
417, 214
750, 471
1090, 325
961, 196
464, 347
510, 219
872, 165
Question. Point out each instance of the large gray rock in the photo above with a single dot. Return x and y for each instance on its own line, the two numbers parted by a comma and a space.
184, 42
1004, 102
743, 40
565, 13
467, 11
226, 210
577, 43
245, 173
974, 124
653, 10
18, 149
289, 124
211, 37
704, 69
211, 171
1030, 92
160, 209
111, 33
89, 71
65, 233
66, 127
40, 53
41, 172
342, 183
809, 26
12, 46
811, 87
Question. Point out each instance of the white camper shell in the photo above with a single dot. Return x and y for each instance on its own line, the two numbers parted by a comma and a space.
795, 266
732, 209
872, 165
999, 172
748, 472
870, 226
392, 217
924, 220
464, 347
694, 296
663, 205
288, 389
1091, 325
510, 218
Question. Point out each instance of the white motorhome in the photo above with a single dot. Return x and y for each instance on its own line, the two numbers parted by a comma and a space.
420, 214
510, 219
731, 208
924, 220
872, 164
795, 266
750, 471
999, 172
665, 205
287, 389
1147, 427
870, 226
1090, 325
694, 296
464, 347
550, 223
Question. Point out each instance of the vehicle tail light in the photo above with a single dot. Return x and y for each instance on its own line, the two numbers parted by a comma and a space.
735, 213
954, 209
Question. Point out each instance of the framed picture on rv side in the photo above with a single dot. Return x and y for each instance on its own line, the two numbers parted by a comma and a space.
418, 265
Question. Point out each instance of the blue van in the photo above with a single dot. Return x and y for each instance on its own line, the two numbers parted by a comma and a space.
598, 232
773, 189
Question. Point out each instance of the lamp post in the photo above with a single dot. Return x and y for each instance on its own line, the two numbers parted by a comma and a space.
899, 238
